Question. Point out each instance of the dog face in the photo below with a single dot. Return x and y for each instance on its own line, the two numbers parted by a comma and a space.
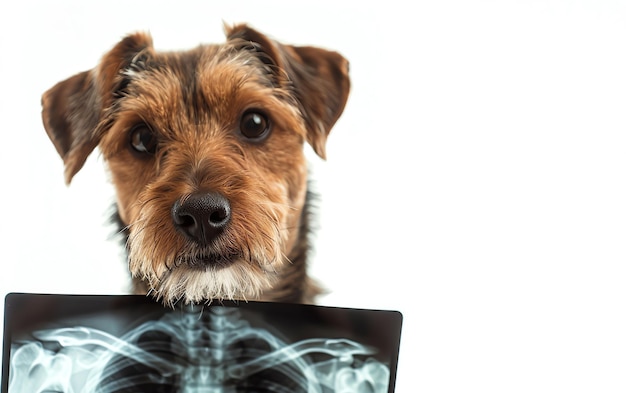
205, 150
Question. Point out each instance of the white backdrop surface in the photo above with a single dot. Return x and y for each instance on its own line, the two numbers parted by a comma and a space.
476, 181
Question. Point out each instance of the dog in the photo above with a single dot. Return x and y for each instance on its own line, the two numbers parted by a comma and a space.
205, 149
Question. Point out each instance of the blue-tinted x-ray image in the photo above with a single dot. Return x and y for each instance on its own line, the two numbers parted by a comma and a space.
107, 344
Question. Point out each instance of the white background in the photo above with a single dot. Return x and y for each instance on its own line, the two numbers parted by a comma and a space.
476, 182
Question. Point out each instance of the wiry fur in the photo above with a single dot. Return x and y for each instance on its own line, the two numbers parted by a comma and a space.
193, 102
296, 284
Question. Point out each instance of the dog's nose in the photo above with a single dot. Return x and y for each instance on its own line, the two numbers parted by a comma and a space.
202, 216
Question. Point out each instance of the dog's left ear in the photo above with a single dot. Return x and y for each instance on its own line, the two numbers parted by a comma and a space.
319, 79
74, 110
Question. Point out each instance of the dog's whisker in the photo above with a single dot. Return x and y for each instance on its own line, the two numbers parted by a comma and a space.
137, 223
274, 205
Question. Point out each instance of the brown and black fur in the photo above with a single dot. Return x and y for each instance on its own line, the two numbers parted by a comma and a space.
204, 148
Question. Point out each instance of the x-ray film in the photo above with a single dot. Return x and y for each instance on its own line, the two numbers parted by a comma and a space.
110, 344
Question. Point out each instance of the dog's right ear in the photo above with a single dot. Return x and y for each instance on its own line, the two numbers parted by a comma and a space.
318, 78
75, 110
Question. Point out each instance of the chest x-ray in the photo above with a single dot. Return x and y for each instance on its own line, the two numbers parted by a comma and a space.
107, 344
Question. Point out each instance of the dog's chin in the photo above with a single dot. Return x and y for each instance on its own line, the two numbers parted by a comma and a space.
209, 262
203, 279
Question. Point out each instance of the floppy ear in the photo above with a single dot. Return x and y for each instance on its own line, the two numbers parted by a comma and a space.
319, 79
74, 110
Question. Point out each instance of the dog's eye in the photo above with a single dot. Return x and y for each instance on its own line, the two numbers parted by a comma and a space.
142, 139
254, 125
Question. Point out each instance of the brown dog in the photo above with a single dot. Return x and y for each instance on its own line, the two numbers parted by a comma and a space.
205, 150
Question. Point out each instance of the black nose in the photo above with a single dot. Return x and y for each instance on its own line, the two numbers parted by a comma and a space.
202, 216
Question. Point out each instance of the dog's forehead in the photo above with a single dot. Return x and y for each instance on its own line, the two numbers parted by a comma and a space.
215, 64
197, 80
